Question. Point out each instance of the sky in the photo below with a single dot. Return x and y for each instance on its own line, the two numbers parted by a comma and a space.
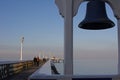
39, 22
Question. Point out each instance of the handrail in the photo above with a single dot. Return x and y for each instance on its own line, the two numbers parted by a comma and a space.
10, 68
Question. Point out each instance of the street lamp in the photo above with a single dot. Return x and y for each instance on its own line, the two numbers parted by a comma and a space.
68, 9
21, 51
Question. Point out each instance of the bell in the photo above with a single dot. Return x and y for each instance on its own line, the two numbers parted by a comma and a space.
96, 17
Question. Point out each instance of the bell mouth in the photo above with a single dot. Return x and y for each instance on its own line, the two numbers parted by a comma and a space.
96, 25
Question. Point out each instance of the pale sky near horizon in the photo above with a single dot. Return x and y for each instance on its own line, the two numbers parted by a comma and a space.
43, 29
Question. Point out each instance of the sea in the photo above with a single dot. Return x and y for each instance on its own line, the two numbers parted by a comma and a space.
91, 67
5, 61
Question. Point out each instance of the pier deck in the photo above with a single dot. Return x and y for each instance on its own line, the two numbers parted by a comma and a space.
24, 74
19, 70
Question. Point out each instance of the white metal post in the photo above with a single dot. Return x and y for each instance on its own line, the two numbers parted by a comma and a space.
68, 40
68, 9
21, 51
118, 24
118, 30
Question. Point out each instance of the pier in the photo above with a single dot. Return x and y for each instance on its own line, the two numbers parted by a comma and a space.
26, 70
17, 70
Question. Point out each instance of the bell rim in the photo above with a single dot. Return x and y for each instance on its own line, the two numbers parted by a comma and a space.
89, 26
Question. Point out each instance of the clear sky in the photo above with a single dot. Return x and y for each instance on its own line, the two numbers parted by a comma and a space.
38, 21
43, 30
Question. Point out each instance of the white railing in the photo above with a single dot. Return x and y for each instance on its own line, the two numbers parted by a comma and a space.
45, 73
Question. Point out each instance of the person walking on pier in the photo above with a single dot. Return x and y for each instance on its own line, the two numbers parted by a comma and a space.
38, 61
35, 61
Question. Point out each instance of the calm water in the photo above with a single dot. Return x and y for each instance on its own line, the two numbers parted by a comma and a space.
91, 67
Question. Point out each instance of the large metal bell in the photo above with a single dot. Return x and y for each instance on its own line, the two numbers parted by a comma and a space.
96, 17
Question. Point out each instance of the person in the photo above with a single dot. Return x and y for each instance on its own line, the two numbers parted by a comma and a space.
35, 61
44, 60
38, 61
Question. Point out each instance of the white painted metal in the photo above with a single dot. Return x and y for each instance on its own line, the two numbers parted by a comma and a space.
21, 51
118, 24
118, 46
76, 4
68, 40
115, 5
61, 6
42, 72
45, 73
68, 9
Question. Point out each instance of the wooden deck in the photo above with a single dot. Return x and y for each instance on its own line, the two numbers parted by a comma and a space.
24, 74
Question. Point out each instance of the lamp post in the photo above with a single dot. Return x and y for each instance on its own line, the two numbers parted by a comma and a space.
68, 9
21, 51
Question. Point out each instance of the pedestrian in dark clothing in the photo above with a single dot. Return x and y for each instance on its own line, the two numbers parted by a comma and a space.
38, 61
35, 61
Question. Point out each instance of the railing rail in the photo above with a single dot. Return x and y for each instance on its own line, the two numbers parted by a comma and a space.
45, 73
11, 68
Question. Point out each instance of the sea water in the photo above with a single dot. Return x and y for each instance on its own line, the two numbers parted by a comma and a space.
91, 67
